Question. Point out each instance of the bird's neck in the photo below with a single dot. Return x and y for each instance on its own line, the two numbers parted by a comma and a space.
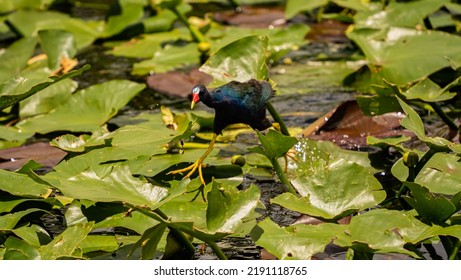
206, 98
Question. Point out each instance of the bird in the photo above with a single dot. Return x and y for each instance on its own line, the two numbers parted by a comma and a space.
234, 102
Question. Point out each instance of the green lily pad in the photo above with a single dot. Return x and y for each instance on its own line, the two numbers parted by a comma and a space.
116, 184
131, 12
430, 207
441, 174
15, 57
274, 144
241, 61
168, 58
297, 241
47, 99
34, 235
20, 88
57, 44
86, 110
401, 14
11, 5
428, 91
22, 185
135, 221
227, 206
67, 243
295, 7
30, 22
105, 243
413, 122
330, 183
74, 214
148, 44
381, 231
149, 241
17, 249
390, 51
9, 221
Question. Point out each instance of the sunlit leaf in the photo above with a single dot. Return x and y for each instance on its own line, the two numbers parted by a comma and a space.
15, 57
401, 14
21, 185
413, 122
86, 110
274, 144
392, 51
74, 214
34, 235
241, 61
293, 7
430, 207
9, 221
331, 185
148, 44
149, 241
428, 91
227, 206
29, 22
167, 59
297, 241
441, 174
93, 243
130, 13
65, 244
20, 88
387, 233
57, 45
47, 99
17, 249
136, 221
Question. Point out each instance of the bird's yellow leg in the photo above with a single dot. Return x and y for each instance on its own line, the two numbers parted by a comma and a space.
198, 164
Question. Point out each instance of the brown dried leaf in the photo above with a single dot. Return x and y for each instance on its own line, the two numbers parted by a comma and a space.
253, 17
328, 31
348, 126
43, 153
177, 83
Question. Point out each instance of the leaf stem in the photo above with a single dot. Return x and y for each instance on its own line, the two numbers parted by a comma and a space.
282, 176
441, 113
422, 162
158, 215
217, 250
196, 34
277, 118
455, 249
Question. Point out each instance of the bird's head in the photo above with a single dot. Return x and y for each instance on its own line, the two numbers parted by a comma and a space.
197, 92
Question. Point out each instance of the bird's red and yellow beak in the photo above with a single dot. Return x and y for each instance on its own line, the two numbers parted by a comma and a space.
195, 100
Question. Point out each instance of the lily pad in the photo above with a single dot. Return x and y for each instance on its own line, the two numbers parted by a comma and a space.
241, 61
441, 174
86, 110
431, 207
17, 249
30, 22
15, 57
22, 185
116, 184
227, 206
168, 58
67, 243
57, 45
391, 51
330, 184
297, 241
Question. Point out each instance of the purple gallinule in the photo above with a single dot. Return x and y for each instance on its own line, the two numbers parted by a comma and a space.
234, 102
